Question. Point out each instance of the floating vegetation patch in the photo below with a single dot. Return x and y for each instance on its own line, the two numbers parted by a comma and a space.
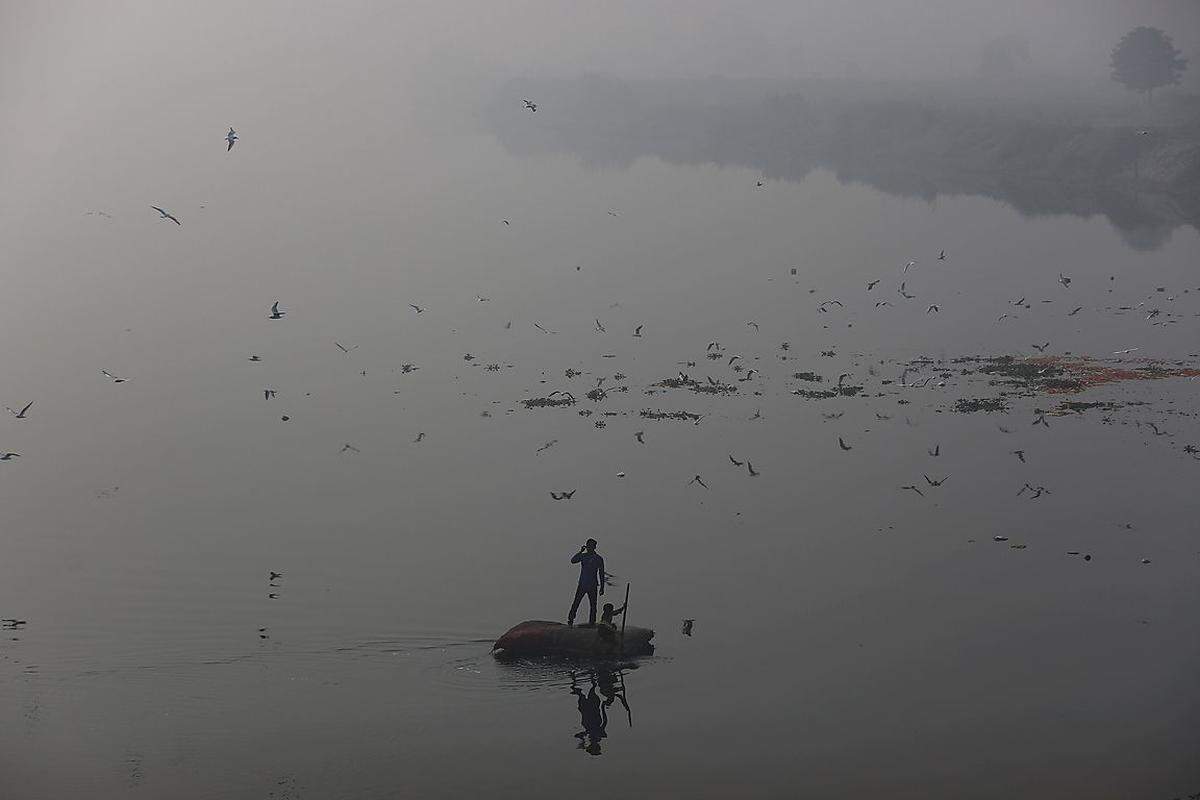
558, 399
683, 416
1072, 407
1072, 374
711, 387
826, 394
971, 405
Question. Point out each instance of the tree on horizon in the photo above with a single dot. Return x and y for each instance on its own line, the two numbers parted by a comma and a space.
1145, 60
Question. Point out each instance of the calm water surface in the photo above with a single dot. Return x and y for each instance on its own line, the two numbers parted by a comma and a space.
850, 637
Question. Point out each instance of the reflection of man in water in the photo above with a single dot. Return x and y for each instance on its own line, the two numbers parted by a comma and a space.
609, 688
591, 580
592, 716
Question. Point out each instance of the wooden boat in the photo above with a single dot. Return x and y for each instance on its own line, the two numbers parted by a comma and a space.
541, 638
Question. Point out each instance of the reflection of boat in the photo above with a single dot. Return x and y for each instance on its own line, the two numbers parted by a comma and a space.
538, 637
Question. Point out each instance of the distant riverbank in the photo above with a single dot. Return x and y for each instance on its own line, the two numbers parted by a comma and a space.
1042, 158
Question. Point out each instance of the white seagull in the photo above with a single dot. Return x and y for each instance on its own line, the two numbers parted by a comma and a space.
166, 215
19, 414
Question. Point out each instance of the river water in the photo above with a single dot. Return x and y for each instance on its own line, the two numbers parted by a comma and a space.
850, 636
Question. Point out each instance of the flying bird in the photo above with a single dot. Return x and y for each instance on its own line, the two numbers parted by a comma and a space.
19, 414
230, 137
1020, 454
933, 482
532, 106
1076, 311
639, 436
638, 330
1124, 352
753, 472
754, 325
913, 488
933, 308
872, 284
162, 214
1064, 280
1041, 348
350, 447
909, 264
936, 451
416, 308
563, 495
942, 256
736, 463
698, 480
268, 393
599, 327
345, 349
275, 312
686, 628
842, 444
109, 375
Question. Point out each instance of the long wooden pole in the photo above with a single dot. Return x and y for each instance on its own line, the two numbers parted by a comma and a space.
624, 616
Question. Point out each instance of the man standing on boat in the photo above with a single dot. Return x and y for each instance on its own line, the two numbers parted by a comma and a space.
591, 580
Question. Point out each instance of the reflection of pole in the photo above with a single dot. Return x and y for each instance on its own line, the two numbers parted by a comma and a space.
625, 697
624, 617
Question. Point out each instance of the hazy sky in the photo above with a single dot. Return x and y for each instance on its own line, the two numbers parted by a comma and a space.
50, 47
